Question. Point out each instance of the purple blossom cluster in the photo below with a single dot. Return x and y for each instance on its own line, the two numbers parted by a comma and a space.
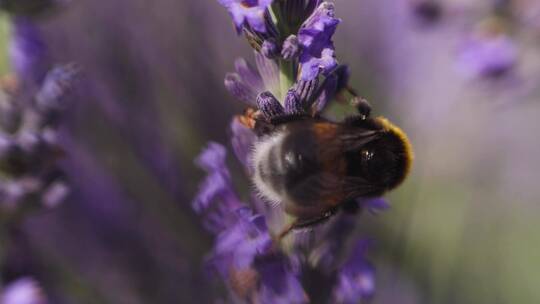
249, 259
32, 100
296, 73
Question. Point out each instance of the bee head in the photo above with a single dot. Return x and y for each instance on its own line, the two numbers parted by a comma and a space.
384, 159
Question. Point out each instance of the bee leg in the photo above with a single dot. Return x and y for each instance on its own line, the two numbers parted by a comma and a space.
305, 223
362, 106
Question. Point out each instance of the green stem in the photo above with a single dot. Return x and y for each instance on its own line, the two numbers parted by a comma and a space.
286, 77
287, 71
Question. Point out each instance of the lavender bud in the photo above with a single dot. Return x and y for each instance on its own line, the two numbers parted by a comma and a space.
55, 194
292, 103
291, 48
306, 91
55, 86
269, 105
327, 92
237, 88
29, 141
270, 49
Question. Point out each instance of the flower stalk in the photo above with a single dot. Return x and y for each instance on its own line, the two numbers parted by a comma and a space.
286, 77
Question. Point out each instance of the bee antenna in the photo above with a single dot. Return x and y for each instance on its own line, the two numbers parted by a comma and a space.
351, 91
362, 106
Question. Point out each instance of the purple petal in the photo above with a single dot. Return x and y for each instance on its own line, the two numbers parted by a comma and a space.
327, 92
216, 195
242, 142
238, 89
376, 205
243, 241
270, 49
212, 158
315, 37
269, 72
306, 91
27, 50
250, 13
291, 48
356, 279
249, 75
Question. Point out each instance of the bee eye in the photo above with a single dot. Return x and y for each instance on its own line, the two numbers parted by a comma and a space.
367, 155
374, 164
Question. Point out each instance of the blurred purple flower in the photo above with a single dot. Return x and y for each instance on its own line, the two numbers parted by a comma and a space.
278, 283
488, 56
242, 242
57, 82
247, 83
375, 205
243, 239
216, 198
23, 291
29, 150
250, 12
356, 279
315, 37
27, 50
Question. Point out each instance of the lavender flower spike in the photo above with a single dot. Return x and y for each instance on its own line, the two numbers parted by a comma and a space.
260, 252
250, 12
315, 37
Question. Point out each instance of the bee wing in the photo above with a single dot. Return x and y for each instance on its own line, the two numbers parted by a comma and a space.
354, 140
355, 187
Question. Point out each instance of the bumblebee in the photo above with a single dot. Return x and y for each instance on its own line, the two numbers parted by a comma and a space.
315, 166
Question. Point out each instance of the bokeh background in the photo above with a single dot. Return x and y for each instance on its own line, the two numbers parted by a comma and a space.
464, 228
